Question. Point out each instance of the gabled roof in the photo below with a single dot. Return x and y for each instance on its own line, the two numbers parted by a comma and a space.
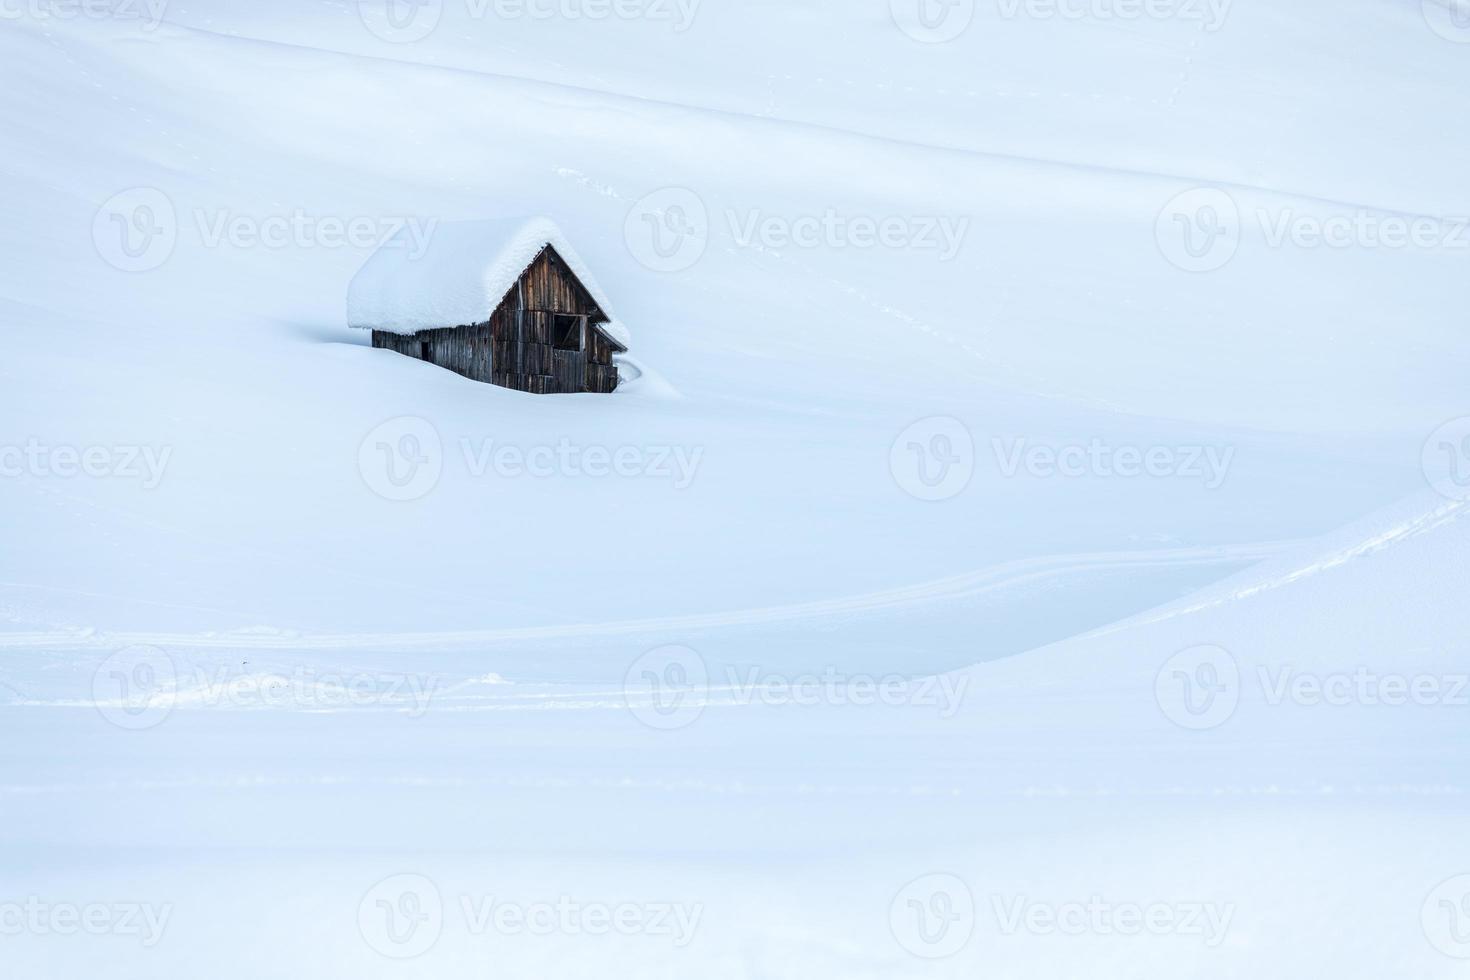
459, 275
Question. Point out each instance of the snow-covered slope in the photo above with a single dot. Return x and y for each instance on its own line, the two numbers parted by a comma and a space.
1277, 827
1029, 299
283, 617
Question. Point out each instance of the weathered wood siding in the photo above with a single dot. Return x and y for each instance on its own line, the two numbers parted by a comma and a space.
515, 347
463, 350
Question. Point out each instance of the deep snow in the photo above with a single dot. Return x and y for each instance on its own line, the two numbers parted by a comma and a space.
251, 667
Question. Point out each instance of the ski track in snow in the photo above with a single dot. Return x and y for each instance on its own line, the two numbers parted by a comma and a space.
624, 101
722, 787
968, 585
834, 130
1397, 534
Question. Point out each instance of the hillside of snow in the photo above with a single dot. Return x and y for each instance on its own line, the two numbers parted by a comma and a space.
1028, 540
1288, 826
782, 374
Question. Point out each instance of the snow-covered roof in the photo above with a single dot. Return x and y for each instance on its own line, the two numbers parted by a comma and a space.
453, 273
616, 330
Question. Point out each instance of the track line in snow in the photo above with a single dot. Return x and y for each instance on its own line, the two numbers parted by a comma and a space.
626, 100
1397, 534
984, 581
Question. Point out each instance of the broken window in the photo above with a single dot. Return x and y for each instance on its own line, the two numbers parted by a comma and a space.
567, 331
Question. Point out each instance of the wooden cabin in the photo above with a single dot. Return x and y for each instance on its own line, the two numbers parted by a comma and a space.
505, 303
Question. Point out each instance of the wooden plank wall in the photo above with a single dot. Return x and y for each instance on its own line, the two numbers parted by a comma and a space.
463, 350
514, 348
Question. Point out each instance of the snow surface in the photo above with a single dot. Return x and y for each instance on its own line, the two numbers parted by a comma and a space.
213, 667
430, 274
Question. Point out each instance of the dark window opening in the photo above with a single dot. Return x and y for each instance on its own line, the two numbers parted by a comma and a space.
566, 332
426, 352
